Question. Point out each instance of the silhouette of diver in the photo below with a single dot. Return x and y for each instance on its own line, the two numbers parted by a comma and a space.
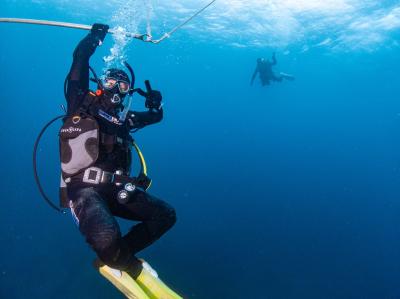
264, 68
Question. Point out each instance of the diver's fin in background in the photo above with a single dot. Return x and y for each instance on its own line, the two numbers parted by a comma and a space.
153, 286
122, 281
287, 76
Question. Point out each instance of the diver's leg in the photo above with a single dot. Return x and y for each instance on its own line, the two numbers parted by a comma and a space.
156, 218
265, 80
100, 228
286, 76
277, 78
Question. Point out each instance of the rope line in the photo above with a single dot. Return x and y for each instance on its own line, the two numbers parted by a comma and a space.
168, 34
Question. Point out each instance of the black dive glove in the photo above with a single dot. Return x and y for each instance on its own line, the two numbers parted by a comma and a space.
153, 99
99, 31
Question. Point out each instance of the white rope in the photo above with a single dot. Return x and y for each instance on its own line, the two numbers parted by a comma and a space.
149, 12
168, 34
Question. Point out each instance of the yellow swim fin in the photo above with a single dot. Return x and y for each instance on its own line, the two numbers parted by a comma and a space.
153, 286
122, 281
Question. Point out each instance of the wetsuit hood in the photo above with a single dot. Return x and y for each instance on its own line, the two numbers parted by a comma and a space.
117, 74
114, 97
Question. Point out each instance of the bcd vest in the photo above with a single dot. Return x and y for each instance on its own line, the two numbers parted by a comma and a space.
87, 139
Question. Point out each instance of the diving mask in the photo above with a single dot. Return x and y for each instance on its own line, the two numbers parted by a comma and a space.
110, 83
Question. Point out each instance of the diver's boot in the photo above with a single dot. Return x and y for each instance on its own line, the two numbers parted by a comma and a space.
286, 76
153, 286
121, 280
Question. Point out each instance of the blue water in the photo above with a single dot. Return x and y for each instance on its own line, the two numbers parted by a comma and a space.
287, 191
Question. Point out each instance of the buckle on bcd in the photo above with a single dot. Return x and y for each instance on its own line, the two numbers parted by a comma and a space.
92, 175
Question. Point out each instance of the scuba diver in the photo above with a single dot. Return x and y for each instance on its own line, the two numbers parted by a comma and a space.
95, 152
264, 68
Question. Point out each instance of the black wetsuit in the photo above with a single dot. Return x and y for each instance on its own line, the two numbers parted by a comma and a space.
264, 68
94, 206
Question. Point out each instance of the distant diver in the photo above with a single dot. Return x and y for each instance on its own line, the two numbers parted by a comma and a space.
95, 149
264, 69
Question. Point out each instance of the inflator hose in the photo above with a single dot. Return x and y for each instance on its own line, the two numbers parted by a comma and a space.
35, 173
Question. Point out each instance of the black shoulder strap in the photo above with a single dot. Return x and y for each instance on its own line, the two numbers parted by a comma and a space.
87, 102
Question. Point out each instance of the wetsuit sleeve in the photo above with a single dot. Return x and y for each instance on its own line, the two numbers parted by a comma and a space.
78, 77
254, 75
138, 120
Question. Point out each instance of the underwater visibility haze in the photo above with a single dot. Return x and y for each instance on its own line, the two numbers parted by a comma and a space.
289, 190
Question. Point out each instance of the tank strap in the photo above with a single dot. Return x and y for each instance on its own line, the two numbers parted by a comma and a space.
87, 102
